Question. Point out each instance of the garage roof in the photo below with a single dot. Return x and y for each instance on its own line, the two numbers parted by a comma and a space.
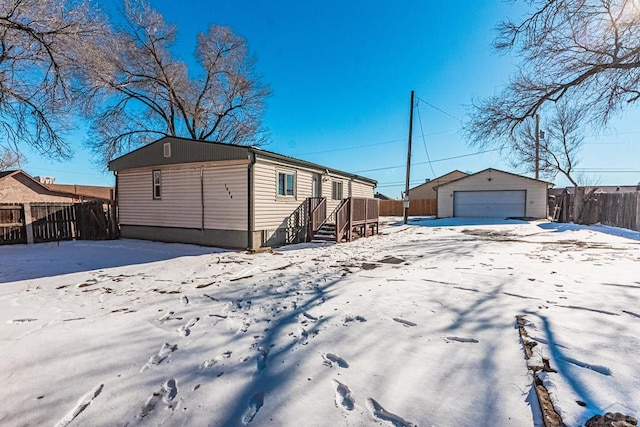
550, 184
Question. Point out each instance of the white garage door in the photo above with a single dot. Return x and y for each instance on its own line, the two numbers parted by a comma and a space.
489, 204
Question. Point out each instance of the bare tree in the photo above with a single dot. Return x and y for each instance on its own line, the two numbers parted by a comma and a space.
585, 51
559, 146
41, 47
145, 92
9, 159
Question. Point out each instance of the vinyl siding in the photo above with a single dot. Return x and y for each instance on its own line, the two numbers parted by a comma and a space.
360, 189
492, 180
225, 194
272, 210
225, 198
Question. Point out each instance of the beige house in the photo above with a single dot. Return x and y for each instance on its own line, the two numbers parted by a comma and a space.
428, 189
19, 187
495, 194
181, 190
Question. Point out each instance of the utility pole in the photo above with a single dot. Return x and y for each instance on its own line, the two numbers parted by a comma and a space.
537, 146
406, 188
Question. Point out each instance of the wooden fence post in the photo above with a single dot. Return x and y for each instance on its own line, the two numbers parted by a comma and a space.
28, 221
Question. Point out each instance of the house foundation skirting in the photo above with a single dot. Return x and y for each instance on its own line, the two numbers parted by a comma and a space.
233, 239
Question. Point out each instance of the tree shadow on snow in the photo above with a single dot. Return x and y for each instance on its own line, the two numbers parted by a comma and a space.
26, 262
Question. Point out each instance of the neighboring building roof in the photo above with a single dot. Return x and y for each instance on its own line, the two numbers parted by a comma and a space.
494, 170
439, 179
382, 197
13, 173
88, 191
185, 150
77, 191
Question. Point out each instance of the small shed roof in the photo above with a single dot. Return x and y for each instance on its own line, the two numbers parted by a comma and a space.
184, 150
498, 171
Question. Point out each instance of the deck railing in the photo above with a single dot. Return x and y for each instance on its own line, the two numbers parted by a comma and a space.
357, 214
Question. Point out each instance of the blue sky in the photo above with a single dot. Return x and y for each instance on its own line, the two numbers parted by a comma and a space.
341, 73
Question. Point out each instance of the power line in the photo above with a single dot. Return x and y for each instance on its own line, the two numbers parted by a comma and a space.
370, 145
350, 148
438, 109
604, 170
424, 141
432, 161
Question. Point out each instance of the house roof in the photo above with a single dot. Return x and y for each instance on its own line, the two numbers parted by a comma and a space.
92, 192
440, 178
7, 174
494, 170
185, 150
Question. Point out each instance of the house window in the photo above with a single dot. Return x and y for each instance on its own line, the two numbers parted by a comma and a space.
336, 191
157, 185
286, 184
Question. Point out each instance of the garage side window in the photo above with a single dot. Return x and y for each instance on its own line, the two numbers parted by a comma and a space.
286, 184
157, 185
336, 191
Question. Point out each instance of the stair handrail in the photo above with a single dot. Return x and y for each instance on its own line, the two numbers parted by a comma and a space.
342, 217
317, 213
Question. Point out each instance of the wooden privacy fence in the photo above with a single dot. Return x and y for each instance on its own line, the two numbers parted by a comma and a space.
614, 209
50, 222
416, 207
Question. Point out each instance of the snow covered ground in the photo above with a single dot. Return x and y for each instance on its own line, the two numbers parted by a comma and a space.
415, 326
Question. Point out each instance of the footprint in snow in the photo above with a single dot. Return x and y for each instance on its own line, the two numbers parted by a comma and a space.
169, 390
149, 405
185, 329
81, 405
404, 323
350, 319
255, 403
344, 398
261, 359
211, 362
184, 299
165, 317
379, 412
330, 359
160, 356
167, 393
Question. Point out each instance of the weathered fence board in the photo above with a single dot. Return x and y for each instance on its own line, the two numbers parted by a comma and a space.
12, 225
614, 209
416, 207
52, 222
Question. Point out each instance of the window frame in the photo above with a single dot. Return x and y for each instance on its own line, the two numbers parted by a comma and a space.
337, 187
156, 187
288, 193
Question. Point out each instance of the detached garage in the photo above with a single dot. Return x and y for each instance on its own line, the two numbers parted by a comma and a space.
492, 193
